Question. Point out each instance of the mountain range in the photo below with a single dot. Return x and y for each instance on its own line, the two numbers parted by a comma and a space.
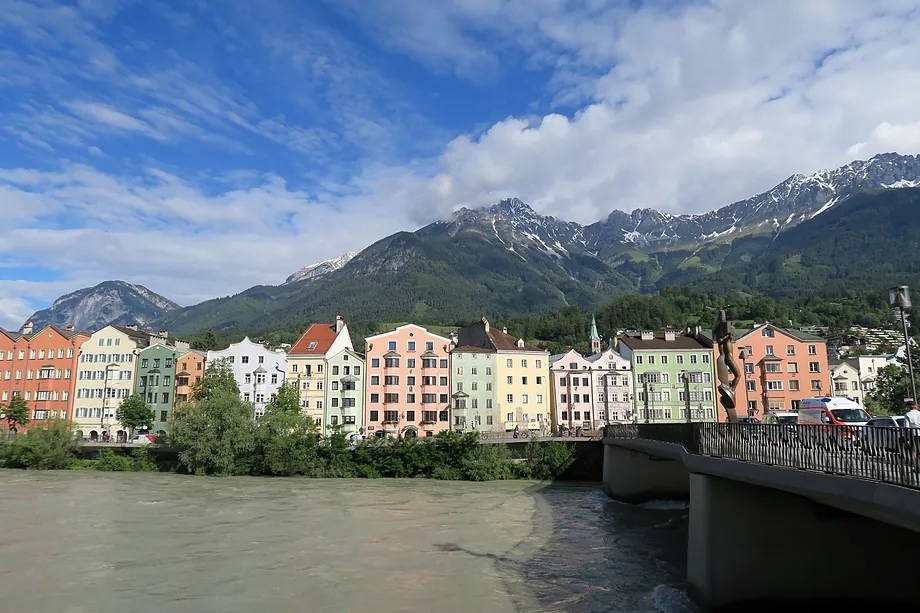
847, 227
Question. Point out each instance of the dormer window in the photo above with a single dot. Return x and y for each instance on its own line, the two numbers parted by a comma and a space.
311, 346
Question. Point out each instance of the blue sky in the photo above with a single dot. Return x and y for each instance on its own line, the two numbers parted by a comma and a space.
199, 148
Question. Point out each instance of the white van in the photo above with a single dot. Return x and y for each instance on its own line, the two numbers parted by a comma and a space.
832, 412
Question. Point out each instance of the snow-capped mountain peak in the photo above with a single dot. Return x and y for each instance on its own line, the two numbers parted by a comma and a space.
314, 271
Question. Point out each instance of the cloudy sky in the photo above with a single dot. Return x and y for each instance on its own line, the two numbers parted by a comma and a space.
199, 147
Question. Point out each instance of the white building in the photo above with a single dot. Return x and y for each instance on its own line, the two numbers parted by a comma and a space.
589, 392
258, 370
845, 380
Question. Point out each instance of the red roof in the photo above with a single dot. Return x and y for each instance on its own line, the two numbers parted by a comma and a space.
316, 340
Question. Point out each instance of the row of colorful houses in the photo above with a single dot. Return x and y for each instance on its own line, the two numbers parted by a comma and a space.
413, 382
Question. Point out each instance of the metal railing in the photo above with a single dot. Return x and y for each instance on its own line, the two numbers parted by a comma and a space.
888, 455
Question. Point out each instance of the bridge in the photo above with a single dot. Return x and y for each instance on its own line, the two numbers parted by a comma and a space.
780, 512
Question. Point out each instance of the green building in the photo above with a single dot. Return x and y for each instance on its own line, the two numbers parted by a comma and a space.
155, 383
671, 373
473, 406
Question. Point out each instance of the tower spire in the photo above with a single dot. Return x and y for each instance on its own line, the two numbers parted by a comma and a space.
595, 337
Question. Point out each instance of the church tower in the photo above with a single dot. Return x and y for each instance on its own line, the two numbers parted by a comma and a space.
595, 337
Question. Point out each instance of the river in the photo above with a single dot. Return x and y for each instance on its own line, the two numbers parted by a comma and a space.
81, 542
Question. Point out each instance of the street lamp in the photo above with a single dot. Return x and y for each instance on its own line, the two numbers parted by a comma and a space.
899, 298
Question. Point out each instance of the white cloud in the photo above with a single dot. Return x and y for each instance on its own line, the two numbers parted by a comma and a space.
687, 107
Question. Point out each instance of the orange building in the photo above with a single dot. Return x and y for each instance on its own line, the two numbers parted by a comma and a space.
190, 368
781, 368
40, 367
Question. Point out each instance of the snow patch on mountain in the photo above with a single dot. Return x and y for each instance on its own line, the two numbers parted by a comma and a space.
320, 269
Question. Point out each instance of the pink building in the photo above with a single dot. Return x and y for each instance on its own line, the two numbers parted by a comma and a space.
407, 383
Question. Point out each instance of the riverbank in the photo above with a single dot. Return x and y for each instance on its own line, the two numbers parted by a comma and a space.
285, 452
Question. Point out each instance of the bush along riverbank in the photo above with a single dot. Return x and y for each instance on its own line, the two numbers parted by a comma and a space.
216, 435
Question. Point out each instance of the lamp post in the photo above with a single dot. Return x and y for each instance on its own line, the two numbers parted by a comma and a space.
744, 355
899, 298
686, 378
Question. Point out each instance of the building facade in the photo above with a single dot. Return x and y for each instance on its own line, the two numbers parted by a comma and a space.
473, 399
590, 392
258, 371
845, 379
781, 368
105, 377
869, 367
190, 367
40, 367
521, 371
345, 391
673, 377
407, 382
307, 365
155, 382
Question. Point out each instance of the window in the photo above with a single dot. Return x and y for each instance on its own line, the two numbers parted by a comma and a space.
335, 371
680, 359
411, 347
524, 399
539, 398
651, 359
693, 358
664, 359
375, 362
244, 359
357, 371
523, 363
509, 363
816, 385
524, 381
375, 415
794, 385
767, 332
812, 350
814, 367
391, 362
509, 398
429, 346
773, 367
752, 386
509, 380
775, 386
391, 345
375, 398
410, 415
790, 349
769, 349
792, 367
443, 363
145, 363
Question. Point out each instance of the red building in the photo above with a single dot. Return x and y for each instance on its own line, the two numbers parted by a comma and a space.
40, 367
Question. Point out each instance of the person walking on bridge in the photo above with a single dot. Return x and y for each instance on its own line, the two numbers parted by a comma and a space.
912, 422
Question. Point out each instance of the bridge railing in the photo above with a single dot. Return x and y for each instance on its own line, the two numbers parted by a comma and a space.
889, 455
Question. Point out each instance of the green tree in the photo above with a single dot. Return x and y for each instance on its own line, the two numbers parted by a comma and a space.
50, 447
215, 433
287, 442
217, 377
206, 342
892, 386
134, 413
16, 413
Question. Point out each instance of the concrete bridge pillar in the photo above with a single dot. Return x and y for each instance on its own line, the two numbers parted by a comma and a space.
633, 476
750, 543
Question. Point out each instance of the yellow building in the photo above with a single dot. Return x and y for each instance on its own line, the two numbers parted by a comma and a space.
308, 364
520, 374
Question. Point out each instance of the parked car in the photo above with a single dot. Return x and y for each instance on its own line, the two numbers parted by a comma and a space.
143, 439
780, 426
885, 434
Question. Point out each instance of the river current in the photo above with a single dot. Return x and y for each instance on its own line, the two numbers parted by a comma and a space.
78, 542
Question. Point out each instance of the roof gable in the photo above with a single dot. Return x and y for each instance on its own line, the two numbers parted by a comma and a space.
317, 339
403, 327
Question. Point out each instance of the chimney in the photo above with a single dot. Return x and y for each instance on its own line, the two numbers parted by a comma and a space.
131, 326
453, 338
339, 324
27, 327
68, 327
669, 335
485, 324
647, 336
164, 333
505, 330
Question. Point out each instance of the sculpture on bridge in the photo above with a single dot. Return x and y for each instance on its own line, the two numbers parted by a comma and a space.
727, 370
